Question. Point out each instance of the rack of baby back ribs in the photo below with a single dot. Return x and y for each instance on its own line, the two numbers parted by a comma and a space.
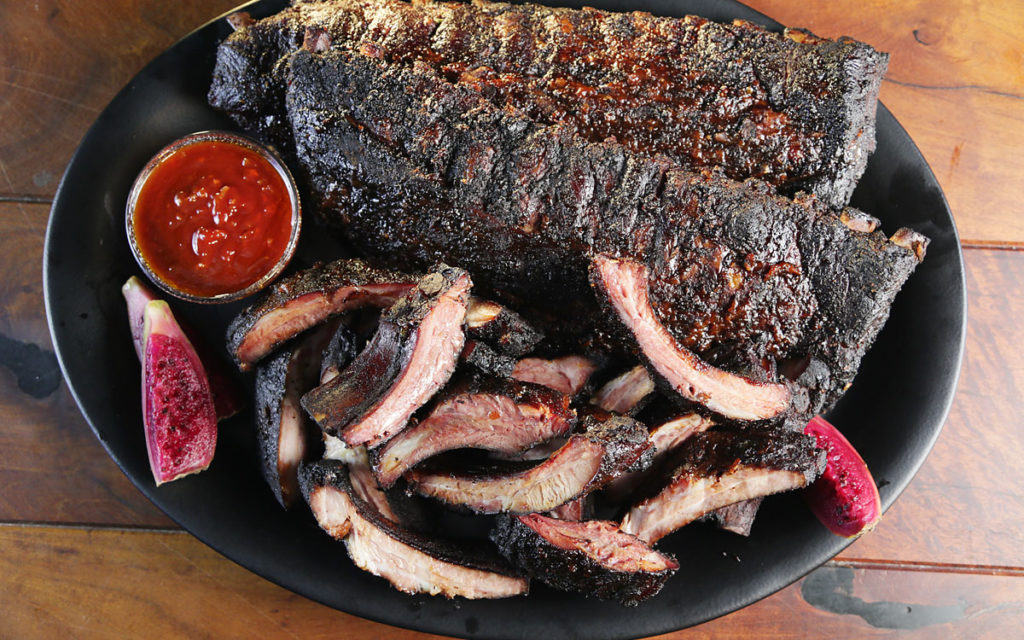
608, 267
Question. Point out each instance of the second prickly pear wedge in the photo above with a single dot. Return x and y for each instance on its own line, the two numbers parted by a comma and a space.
845, 497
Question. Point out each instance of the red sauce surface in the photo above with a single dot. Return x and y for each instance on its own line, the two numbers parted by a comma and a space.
213, 218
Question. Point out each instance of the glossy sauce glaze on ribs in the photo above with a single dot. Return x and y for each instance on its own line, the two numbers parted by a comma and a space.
792, 109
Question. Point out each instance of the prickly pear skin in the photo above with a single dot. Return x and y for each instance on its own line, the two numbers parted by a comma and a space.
845, 498
178, 412
137, 295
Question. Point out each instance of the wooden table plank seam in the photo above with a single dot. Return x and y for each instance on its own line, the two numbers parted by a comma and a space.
958, 87
24, 198
971, 245
91, 526
933, 567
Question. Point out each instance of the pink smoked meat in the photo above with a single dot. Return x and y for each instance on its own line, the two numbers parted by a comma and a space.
624, 284
410, 562
507, 417
720, 468
360, 475
567, 374
624, 393
666, 439
593, 557
284, 433
412, 355
306, 299
603, 449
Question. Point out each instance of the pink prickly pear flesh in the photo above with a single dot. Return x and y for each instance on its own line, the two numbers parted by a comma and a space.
226, 396
845, 498
178, 411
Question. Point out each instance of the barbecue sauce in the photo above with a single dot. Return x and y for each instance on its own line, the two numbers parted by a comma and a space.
213, 218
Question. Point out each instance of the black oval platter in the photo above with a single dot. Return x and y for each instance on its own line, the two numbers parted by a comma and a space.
892, 414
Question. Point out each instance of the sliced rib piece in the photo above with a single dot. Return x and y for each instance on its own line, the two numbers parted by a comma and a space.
500, 327
360, 474
568, 374
308, 298
587, 461
623, 283
396, 505
495, 415
724, 467
411, 356
624, 393
419, 170
666, 439
795, 110
592, 557
284, 433
410, 562
737, 517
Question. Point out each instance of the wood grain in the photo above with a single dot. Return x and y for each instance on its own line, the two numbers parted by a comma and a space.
76, 583
61, 62
967, 503
53, 468
956, 83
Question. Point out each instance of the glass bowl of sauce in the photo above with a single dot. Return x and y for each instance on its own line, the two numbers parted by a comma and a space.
213, 217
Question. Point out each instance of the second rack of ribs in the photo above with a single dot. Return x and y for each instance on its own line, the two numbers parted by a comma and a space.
792, 109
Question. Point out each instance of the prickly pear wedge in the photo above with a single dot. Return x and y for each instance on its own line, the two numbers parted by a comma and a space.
845, 497
177, 406
226, 397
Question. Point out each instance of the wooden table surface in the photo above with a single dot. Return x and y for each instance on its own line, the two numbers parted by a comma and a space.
84, 554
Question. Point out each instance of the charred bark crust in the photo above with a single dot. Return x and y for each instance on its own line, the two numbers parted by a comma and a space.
572, 569
736, 271
792, 109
